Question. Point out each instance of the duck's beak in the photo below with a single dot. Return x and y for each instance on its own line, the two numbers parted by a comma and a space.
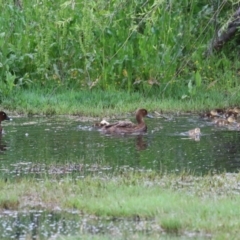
149, 115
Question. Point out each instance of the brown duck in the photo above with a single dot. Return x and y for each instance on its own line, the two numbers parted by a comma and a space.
124, 127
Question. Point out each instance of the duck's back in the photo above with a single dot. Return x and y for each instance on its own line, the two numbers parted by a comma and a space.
123, 127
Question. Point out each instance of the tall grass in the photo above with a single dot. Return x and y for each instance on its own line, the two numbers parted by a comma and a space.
153, 46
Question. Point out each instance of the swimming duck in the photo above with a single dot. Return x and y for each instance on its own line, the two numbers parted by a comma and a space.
212, 114
194, 132
223, 122
122, 127
3, 116
234, 110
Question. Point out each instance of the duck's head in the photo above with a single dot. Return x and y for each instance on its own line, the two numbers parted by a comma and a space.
3, 116
197, 131
143, 113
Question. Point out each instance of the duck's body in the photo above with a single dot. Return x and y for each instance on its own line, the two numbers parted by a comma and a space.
194, 132
224, 122
123, 127
3, 116
212, 114
221, 122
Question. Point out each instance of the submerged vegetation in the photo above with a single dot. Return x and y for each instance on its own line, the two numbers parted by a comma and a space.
155, 48
177, 203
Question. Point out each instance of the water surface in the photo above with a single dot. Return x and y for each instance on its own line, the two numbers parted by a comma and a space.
41, 225
60, 146
40, 146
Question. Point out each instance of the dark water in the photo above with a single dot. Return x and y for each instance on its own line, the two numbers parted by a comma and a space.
61, 145
57, 146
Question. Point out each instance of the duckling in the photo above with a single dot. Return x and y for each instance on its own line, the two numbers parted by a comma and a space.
211, 114
194, 132
236, 110
224, 122
230, 113
123, 127
231, 119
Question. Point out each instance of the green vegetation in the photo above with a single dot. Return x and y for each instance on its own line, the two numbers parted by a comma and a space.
153, 49
100, 58
107, 103
177, 203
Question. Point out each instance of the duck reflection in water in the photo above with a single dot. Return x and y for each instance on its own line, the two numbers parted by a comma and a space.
140, 143
3, 146
3, 116
127, 127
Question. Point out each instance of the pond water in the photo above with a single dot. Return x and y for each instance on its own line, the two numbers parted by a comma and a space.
38, 225
59, 146
67, 145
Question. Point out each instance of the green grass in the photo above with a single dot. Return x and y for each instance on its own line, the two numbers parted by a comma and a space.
207, 205
108, 103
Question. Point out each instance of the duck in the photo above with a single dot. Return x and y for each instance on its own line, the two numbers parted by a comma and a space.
194, 132
125, 127
223, 122
3, 116
212, 114
234, 110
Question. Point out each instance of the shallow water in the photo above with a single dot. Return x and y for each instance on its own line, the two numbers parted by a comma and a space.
41, 225
60, 146
63, 145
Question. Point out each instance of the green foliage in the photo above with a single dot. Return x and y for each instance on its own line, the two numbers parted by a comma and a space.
156, 47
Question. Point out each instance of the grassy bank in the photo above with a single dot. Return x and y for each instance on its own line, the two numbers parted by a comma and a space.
105, 103
178, 203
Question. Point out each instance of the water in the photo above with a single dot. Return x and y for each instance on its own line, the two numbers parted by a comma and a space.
39, 225
63, 145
